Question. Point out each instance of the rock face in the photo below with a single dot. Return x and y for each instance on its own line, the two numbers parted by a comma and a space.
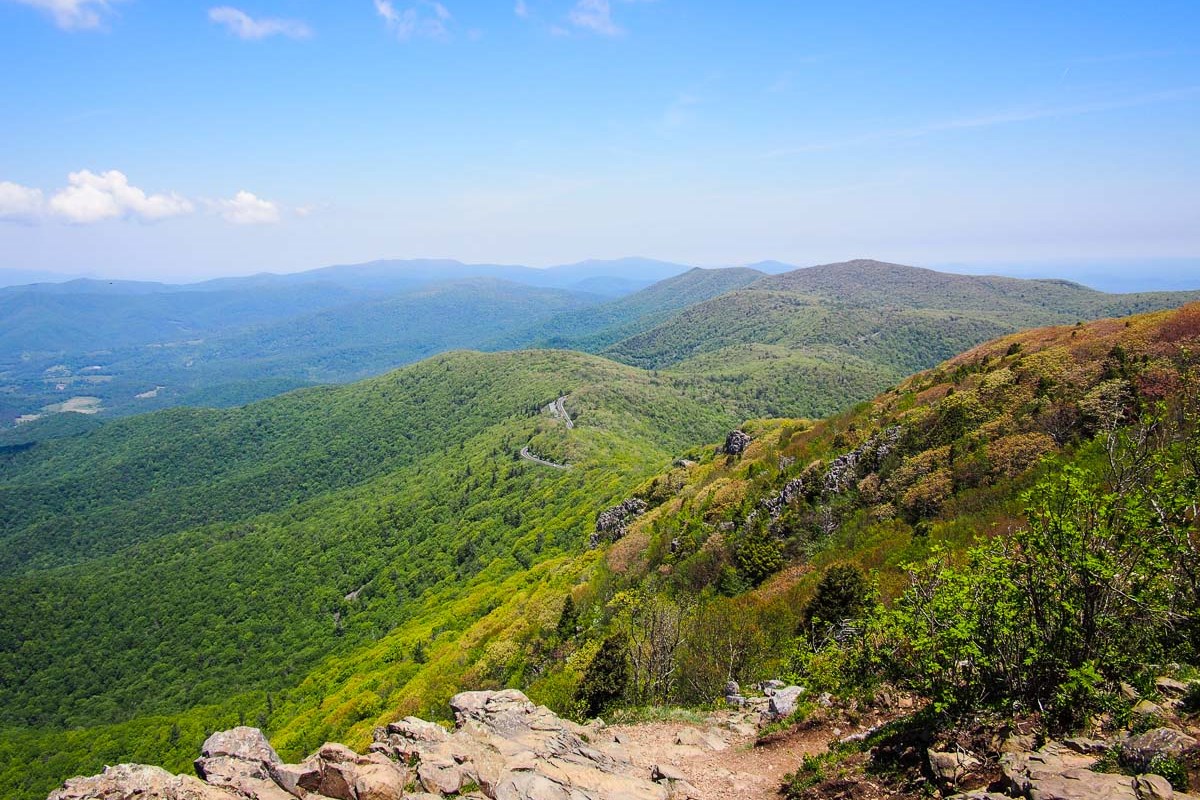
503, 747
844, 471
736, 443
612, 523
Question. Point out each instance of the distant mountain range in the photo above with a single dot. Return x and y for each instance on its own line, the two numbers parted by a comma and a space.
812, 339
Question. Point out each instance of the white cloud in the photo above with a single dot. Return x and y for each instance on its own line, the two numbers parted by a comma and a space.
244, 26
521, 9
427, 18
595, 16
73, 14
247, 208
19, 202
92, 198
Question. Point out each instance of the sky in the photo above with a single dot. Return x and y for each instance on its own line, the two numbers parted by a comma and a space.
180, 139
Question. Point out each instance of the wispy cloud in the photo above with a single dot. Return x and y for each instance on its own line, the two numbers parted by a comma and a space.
678, 112
73, 14
521, 9
1007, 117
247, 208
594, 16
244, 26
427, 18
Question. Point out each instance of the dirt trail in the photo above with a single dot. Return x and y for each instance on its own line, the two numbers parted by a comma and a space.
719, 759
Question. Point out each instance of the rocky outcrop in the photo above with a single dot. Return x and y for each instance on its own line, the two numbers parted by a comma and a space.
1059, 772
613, 523
514, 750
792, 490
844, 471
139, 781
240, 760
736, 443
503, 747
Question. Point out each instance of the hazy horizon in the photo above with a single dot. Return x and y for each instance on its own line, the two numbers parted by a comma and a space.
1131, 275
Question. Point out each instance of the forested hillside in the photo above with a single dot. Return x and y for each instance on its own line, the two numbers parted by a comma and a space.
189, 560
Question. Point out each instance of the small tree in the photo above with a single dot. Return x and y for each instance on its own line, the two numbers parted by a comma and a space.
606, 676
842, 594
568, 620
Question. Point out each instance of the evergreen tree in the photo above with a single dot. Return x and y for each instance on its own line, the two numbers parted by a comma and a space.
605, 679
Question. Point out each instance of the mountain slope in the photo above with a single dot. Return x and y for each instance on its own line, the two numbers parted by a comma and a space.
448, 571
594, 328
881, 321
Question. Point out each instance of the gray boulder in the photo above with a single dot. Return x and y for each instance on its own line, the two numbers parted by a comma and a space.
736, 443
783, 702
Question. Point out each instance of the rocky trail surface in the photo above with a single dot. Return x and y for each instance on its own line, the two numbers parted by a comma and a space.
504, 747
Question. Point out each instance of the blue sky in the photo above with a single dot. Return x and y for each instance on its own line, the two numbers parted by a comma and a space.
180, 139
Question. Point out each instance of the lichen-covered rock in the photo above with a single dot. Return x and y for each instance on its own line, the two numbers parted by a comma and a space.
613, 523
736, 443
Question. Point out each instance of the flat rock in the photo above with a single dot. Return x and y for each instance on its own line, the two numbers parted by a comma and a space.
1160, 741
1170, 686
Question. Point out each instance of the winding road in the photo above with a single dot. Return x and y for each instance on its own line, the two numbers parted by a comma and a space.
558, 410
529, 456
